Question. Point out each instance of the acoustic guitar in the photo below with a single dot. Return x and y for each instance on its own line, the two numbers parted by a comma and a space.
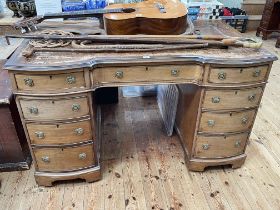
151, 17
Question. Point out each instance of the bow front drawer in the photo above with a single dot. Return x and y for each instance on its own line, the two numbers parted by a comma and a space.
60, 133
223, 122
54, 108
142, 74
50, 82
232, 99
64, 159
220, 146
238, 75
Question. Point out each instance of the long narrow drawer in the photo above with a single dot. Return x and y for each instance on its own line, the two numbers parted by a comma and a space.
50, 82
64, 159
60, 133
232, 99
223, 122
220, 146
54, 108
238, 75
148, 74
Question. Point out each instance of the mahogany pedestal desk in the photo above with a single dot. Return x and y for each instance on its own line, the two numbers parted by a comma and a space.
220, 92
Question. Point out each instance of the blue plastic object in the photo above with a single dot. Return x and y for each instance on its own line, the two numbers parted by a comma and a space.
73, 5
193, 10
95, 4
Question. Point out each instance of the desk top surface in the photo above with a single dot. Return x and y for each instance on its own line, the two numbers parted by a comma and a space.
47, 61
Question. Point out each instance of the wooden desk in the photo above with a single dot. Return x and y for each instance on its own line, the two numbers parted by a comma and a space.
220, 91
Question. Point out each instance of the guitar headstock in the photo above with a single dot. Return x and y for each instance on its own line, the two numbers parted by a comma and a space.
28, 24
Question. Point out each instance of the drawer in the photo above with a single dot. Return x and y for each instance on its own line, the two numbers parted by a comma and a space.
220, 146
232, 99
54, 108
238, 75
148, 74
222, 122
50, 82
64, 159
60, 133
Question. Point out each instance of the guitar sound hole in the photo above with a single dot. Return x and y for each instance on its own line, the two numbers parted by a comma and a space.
128, 10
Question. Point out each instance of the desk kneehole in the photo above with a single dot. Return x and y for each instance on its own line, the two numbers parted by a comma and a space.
146, 74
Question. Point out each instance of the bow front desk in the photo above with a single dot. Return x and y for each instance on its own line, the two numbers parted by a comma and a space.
219, 94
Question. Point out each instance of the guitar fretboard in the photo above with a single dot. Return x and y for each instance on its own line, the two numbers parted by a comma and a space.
82, 13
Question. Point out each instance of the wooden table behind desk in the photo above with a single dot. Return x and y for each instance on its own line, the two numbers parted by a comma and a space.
14, 152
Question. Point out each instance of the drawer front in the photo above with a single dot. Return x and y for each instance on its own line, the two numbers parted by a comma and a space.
148, 74
238, 75
54, 109
64, 159
220, 146
64, 133
215, 122
232, 99
50, 82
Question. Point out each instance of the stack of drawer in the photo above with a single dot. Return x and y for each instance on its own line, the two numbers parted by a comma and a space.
60, 124
228, 108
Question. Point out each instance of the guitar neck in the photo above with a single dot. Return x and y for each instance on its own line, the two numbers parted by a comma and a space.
82, 13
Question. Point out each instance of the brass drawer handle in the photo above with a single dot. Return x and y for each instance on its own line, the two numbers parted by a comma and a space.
33, 110
237, 144
82, 156
175, 72
252, 97
257, 73
76, 107
205, 146
71, 79
119, 74
244, 120
40, 134
216, 100
46, 159
29, 82
79, 131
211, 123
222, 75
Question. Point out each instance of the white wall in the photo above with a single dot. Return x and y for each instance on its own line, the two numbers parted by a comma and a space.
231, 3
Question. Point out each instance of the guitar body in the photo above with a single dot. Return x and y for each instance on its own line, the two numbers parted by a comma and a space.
148, 18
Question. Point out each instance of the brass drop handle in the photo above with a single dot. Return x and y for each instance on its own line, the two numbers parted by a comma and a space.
33, 110
222, 75
82, 156
71, 79
119, 74
252, 97
205, 146
79, 131
40, 134
46, 159
257, 73
29, 82
237, 144
175, 72
216, 100
211, 123
244, 120
76, 107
